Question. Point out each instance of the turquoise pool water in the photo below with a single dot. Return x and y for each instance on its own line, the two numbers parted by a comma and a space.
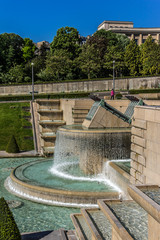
66, 176
126, 165
30, 216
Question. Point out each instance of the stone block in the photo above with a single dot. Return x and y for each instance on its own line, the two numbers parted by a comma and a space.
139, 123
140, 168
157, 116
133, 172
137, 149
138, 182
137, 131
150, 115
134, 165
153, 131
132, 180
139, 112
134, 156
138, 141
142, 160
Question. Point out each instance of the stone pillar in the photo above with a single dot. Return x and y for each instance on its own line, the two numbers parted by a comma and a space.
140, 39
158, 37
132, 36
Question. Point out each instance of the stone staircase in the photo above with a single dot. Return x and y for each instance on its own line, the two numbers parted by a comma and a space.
122, 220
50, 117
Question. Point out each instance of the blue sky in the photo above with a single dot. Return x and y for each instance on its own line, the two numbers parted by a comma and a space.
40, 20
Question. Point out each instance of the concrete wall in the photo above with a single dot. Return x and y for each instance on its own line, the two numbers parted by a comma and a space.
145, 147
91, 86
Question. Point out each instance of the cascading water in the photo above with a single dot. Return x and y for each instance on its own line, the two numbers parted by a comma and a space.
90, 148
81, 155
114, 174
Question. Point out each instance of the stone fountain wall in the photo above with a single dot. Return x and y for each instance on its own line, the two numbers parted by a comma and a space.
145, 147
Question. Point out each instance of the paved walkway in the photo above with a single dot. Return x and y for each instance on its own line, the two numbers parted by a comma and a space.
32, 153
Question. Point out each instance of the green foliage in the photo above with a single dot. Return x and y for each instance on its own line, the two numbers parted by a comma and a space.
57, 67
8, 227
132, 58
137, 91
10, 50
12, 146
68, 59
16, 74
89, 60
117, 54
150, 54
28, 49
118, 96
67, 41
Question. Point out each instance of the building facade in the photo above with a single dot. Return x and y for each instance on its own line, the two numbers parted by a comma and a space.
127, 28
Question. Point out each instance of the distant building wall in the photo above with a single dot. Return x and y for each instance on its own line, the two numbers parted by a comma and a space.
86, 86
138, 34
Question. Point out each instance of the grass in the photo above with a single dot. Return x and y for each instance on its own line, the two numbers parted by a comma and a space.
13, 119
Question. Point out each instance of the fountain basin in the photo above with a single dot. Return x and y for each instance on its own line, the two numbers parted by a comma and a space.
29, 187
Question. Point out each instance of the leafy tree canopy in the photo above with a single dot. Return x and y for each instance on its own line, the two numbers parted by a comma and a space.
67, 40
28, 49
132, 58
10, 50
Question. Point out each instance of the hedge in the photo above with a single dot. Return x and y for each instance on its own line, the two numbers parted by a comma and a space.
48, 96
12, 146
137, 91
8, 227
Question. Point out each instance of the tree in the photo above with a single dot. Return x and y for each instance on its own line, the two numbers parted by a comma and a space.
16, 74
117, 54
150, 57
28, 49
132, 58
10, 50
67, 41
57, 67
89, 61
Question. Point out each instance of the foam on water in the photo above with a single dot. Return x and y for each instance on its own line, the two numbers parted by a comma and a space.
100, 178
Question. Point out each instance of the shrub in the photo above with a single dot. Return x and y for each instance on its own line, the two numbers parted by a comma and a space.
12, 146
8, 227
118, 96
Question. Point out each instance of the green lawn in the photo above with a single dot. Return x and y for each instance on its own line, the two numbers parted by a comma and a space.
15, 120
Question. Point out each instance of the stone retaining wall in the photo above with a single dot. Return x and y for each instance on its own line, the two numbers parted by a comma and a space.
86, 86
145, 147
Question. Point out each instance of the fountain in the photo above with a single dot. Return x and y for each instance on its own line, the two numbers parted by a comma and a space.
77, 176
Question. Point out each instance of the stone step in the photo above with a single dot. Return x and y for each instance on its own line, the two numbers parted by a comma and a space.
82, 229
127, 218
48, 150
49, 110
99, 225
52, 122
71, 235
48, 135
